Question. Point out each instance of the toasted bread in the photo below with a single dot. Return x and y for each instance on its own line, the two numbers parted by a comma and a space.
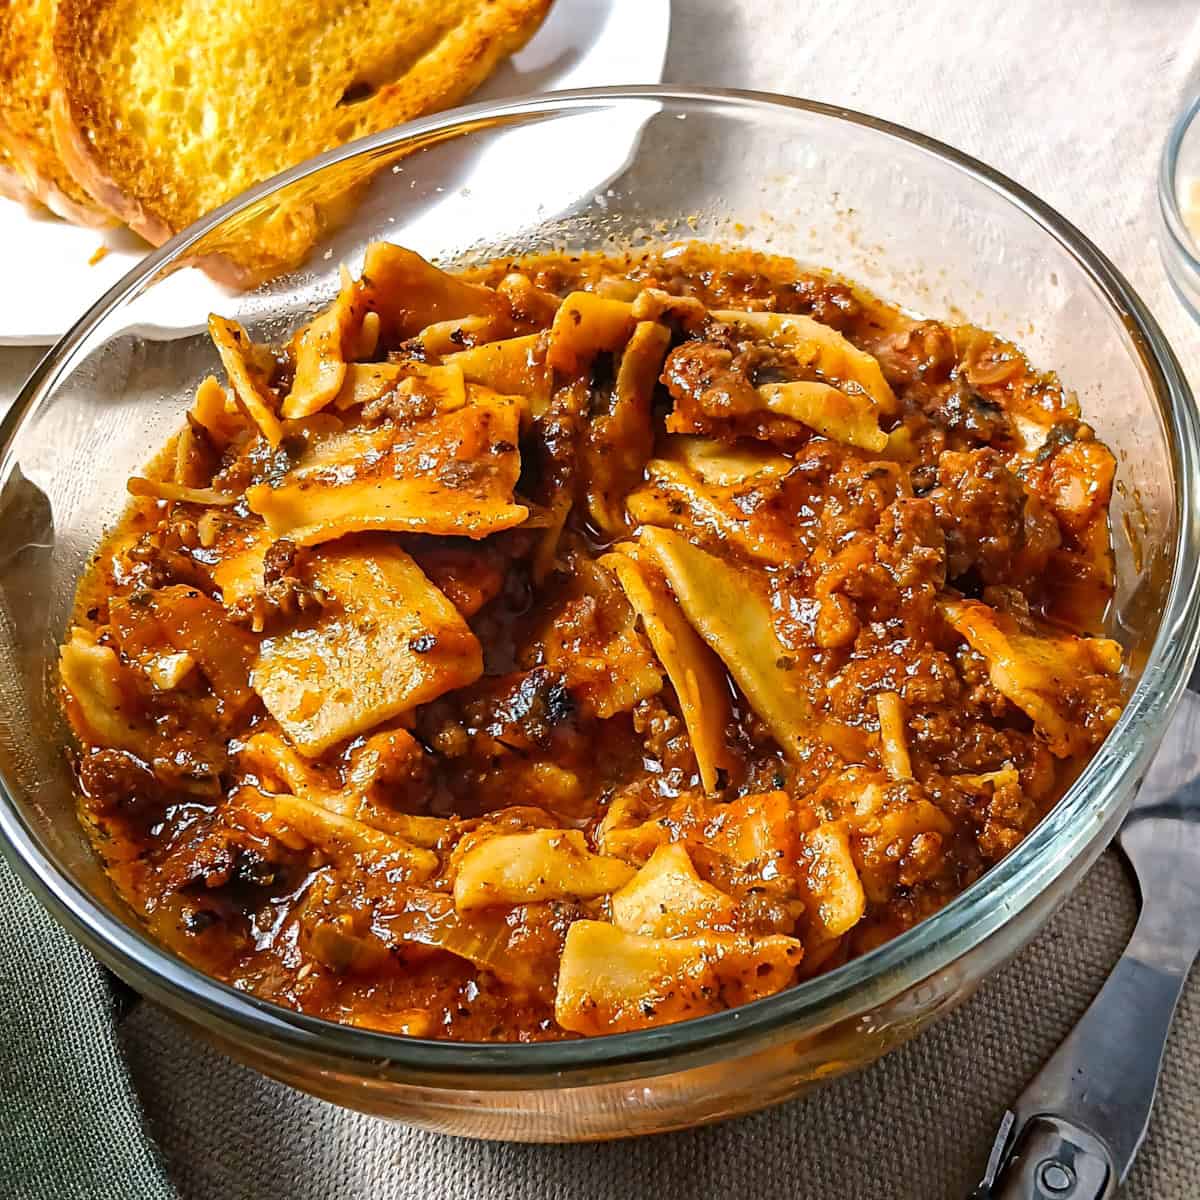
168, 108
12, 186
26, 84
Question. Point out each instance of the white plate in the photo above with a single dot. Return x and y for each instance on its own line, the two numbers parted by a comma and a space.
584, 43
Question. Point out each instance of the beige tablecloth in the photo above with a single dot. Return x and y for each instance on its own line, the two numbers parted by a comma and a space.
1073, 100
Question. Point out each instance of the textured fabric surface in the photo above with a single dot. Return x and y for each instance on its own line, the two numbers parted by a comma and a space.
70, 1123
1073, 100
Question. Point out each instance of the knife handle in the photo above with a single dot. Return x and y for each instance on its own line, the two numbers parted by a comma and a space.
1052, 1159
1074, 1131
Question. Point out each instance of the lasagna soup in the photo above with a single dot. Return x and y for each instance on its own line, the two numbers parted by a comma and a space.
580, 644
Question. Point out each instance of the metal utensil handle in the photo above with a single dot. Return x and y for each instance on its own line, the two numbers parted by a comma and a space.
1080, 1122
1054, 1160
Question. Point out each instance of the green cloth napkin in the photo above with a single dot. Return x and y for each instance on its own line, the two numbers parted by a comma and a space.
70, 1122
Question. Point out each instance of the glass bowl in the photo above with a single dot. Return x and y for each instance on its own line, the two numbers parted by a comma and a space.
913, 219
1179, 192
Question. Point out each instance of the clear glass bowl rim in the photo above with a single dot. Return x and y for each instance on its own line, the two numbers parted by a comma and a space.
1168, 191
931, 946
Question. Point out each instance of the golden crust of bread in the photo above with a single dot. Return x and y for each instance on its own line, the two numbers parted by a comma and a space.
27, 74
164, 111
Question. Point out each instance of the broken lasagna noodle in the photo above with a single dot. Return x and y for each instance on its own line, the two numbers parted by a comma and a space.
576, 645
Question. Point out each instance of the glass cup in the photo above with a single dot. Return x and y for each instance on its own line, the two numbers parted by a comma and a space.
1179, 204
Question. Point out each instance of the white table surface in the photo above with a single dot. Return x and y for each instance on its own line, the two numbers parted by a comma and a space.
1072, 100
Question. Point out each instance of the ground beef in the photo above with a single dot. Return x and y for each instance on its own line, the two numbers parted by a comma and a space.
993, 525
711, 380
924, 352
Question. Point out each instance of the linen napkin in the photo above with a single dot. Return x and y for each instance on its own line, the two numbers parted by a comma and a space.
70, 1121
